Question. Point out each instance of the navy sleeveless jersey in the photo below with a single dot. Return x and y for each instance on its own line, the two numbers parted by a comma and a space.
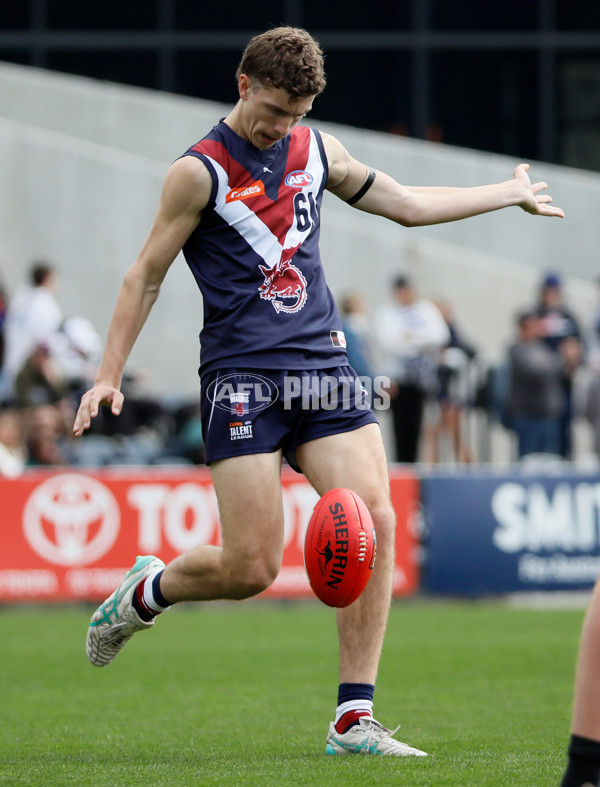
255, 255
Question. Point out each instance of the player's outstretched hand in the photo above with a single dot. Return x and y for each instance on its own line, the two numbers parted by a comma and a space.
91, 402
534, 202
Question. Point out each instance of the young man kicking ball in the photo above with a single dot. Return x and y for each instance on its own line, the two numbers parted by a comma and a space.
244, 205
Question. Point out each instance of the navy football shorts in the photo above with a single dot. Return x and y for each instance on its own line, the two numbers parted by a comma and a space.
255, 411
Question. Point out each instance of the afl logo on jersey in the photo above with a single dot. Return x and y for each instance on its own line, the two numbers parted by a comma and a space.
298, 179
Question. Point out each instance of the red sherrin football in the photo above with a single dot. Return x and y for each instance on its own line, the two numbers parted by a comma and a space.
340, 548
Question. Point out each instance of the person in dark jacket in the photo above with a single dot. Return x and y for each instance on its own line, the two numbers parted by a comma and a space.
537, 386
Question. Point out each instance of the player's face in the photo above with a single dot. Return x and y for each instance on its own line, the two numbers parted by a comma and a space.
269, 114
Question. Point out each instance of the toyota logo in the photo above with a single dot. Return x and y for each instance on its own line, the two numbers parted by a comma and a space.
71, 519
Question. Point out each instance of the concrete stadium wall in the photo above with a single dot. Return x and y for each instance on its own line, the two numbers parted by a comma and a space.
81, 163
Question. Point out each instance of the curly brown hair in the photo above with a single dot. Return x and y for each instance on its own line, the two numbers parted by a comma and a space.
287, 57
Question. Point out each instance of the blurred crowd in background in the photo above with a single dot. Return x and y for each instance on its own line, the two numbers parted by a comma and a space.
445, 397
47, 361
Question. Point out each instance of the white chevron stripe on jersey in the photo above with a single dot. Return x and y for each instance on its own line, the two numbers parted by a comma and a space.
245, 221
254, 231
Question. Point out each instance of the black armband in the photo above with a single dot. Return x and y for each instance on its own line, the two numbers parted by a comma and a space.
364, 188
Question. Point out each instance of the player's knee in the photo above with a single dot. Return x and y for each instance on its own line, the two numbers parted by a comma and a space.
384, 520
254, 577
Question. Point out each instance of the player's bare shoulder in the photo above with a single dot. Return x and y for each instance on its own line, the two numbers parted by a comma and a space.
346, 174
187, 185
337, 160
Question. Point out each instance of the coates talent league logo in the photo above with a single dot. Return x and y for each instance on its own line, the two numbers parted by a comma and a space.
71, 519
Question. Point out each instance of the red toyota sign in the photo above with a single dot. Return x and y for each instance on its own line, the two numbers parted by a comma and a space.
71, 535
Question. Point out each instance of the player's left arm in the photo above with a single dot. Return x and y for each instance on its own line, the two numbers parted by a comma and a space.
415, 206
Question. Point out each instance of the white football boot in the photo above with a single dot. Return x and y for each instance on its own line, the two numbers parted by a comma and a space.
368, 737
116, 621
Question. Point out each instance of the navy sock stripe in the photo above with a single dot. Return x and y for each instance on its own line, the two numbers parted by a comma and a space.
156, 592
355, 691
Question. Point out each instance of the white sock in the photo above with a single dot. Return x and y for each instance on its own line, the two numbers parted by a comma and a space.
363, 705
149, 600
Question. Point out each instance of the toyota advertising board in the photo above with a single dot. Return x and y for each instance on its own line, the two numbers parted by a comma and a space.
72, 535
507, 533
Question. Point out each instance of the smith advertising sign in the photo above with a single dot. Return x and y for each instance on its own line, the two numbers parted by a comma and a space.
511, 533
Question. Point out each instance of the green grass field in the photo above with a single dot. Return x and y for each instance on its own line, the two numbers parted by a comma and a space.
242, 694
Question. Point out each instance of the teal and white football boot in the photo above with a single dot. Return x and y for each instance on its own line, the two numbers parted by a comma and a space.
116, 621
368, 737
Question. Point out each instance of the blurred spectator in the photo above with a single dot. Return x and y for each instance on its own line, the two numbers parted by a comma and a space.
591, 406
455, 392
592, 409
558, 324
187, 441
13, 453
46, 436
3, 308
593, 332
537, 376
411, 333
142, 410
557, 321
77, 349
360, 345
32, 318
40, 381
